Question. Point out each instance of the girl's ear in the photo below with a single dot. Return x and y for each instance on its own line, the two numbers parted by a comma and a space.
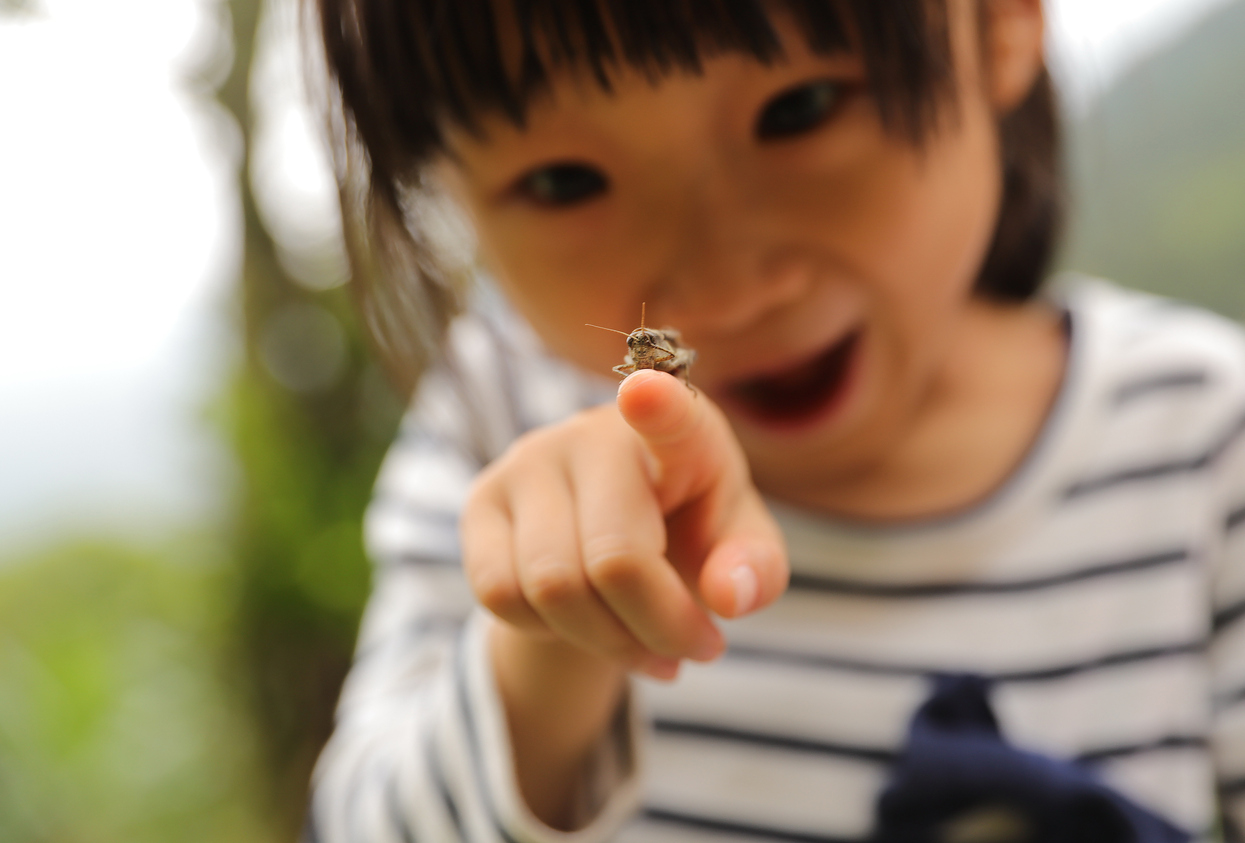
1013, 38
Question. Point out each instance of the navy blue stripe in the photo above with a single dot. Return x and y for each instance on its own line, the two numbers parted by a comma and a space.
1232, 787
1159, 470
426, 560
1229, 699
1162, 744
434, 624
738, 829
859, 588
417, 437
1103, 662
442, 518
1227, 616
1157, 383
477, 756
878, 755
1041, 674
712, 732
1234, 433
1235, 519
1134, 475
438, 778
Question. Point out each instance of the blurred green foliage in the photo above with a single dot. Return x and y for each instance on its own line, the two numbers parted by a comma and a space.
1158, 172
115, 721
183, 692
308, 462
309, 430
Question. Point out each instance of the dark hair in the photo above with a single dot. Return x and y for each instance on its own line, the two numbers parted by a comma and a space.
405, 68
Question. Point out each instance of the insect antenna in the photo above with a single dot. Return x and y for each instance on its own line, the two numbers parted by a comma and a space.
612, 330
643, 305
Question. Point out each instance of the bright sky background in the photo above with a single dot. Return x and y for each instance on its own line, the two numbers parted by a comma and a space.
119, 238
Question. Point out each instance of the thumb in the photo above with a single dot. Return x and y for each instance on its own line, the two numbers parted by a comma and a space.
720, 531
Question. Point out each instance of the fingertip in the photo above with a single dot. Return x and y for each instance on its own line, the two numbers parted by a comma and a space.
654, 403
659, 668
642, 376
641, 387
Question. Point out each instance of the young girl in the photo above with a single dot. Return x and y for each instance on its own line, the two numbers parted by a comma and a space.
923, 556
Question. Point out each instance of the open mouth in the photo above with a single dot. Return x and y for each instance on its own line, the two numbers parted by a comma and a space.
802, 393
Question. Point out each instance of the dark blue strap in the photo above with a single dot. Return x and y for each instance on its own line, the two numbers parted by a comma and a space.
958, 781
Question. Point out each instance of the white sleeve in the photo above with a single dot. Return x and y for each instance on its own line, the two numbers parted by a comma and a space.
420, 750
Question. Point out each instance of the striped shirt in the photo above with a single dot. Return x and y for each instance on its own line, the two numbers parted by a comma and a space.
1101, 589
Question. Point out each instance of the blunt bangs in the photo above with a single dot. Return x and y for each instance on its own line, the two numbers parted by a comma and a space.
405, 67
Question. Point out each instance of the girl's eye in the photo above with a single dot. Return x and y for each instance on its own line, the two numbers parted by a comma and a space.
563, 184
797, 110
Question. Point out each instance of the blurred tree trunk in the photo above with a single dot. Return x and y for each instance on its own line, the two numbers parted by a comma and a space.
308, 456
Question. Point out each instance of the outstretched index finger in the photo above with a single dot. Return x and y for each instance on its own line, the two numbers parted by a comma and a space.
701, 478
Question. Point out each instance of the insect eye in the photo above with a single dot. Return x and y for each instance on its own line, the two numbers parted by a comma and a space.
797, 110
560, 185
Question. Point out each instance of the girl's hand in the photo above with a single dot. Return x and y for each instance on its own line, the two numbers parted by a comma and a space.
620, 530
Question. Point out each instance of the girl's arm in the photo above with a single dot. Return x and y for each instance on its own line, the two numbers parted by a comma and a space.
560, 703
604, 544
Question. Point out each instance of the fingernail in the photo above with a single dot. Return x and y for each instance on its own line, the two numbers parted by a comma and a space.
745, 582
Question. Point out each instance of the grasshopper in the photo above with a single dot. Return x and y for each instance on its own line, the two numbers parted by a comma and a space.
650, 348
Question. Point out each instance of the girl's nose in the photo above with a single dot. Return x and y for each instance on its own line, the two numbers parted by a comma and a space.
731, 264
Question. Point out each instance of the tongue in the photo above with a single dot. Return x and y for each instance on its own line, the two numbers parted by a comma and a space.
799, 390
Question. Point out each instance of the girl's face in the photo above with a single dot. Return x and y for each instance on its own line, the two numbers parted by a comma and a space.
821, 266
